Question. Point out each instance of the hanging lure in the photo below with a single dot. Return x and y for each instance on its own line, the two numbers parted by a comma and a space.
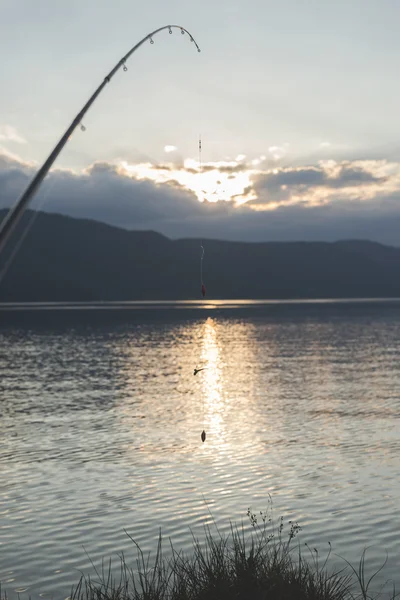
203, 436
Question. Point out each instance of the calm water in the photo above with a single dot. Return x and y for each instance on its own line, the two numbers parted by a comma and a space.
101, 419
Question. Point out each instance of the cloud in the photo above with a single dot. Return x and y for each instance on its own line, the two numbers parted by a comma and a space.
343, 176
350, 176
327, 201
170, 148
325, 183
10, 134
278, 152
101, 192
305, 176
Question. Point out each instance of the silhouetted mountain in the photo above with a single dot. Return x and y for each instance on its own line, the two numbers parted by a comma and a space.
73, 259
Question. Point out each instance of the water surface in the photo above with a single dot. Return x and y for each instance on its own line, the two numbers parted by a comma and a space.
101, 419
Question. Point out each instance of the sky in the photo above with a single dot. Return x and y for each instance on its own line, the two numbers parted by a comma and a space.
296, 103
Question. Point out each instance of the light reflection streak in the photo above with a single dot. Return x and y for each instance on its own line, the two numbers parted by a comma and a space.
212, 381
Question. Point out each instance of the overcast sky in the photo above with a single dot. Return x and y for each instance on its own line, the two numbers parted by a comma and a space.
296, 102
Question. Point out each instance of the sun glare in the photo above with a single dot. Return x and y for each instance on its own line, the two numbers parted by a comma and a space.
212, 182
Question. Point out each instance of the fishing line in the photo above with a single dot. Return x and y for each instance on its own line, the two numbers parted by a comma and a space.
202, 286
200, 166
29, 225
201, 263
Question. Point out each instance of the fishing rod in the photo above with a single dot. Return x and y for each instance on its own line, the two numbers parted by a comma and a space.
16, 212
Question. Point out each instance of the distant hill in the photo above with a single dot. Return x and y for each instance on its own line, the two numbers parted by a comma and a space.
69, 259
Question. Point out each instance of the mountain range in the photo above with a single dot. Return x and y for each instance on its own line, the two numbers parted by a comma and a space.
66, 259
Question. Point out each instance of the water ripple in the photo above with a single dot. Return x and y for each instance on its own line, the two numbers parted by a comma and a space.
100, 433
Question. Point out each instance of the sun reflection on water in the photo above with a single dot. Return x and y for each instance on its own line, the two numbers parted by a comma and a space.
212, 380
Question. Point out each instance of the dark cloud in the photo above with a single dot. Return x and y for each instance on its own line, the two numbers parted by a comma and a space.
103, 193
237, 168
309, 176
350, 176
162, 167
312, 177
14, 177
233, 168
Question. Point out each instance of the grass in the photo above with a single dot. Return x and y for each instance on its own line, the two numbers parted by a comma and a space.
263, 564
266, 564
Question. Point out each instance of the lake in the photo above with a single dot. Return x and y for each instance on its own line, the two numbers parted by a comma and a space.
101, 418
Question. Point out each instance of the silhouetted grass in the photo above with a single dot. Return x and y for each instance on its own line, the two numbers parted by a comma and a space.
256, 566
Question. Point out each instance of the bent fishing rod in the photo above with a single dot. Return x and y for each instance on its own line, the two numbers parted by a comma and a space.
14, 215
